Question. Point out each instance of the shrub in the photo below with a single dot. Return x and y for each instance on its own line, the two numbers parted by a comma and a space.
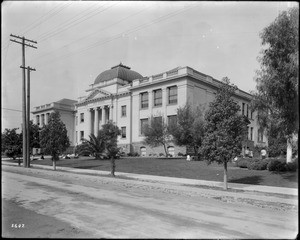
180, 154
243, 162
276, 165
161, 155
258, 164
292, 166
133, 154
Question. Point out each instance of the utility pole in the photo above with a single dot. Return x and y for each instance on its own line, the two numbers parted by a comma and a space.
28, 116
25, 124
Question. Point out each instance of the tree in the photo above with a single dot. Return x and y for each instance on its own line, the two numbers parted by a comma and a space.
156, 133
224, 128
11, 143
34, 137
189, 128
54, 139
110, 133
95, 146
277, 97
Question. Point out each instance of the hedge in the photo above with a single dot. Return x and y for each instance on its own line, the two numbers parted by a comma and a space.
271, 164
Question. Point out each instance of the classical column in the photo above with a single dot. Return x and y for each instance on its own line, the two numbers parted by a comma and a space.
96, 123
111, 112
103, 114
89, 123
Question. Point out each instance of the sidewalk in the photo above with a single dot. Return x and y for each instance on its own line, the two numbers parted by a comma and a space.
172, 180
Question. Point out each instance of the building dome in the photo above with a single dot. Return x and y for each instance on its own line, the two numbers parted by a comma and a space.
119, 71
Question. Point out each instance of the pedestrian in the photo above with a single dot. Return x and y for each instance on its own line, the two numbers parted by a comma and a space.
247, 152
251, 154
188, 158
263, 153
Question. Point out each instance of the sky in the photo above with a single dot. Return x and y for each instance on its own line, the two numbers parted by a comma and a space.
77, 40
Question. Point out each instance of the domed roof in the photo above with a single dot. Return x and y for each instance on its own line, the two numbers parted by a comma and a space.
119, 71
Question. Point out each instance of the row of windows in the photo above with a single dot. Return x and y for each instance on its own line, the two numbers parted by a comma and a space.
42, 119
171, 120
260, 134
172, 97
143, 122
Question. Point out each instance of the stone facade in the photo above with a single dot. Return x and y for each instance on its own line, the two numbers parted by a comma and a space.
66, 109
129, 100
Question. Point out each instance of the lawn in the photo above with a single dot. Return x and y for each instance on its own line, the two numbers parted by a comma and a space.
183, 169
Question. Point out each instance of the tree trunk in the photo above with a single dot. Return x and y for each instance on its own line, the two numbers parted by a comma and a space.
289, 150
113, 166
225, 176
167, 154
54, 163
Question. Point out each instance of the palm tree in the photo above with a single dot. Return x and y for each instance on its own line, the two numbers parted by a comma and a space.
95, 146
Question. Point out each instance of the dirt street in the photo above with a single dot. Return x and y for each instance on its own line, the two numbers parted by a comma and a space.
75, 205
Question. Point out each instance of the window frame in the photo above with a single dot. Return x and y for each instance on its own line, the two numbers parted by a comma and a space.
172, 101
144, 103
141, 125
155, 98
122, 111
81, 117
123, 136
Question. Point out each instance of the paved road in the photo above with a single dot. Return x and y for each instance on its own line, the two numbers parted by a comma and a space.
102, 207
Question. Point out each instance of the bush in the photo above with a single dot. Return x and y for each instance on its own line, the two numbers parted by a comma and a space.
292, 166
133, 154
258, 164
276, 165
161, 154
180, 154
243, 162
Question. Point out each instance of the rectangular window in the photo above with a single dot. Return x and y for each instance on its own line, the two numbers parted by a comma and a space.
158, 119
43, 119
81, 117
38, 120
144, 100
172, 120
144, 122
243, 109
157, 96
251, 134
47, 117
248, 133
76, 137
123, 132
251, 114
247, 110
81, 135
260, 135
172, 95
76, 120
123, 111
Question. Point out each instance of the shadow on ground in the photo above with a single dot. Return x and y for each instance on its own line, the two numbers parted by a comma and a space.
292, 177
247, 180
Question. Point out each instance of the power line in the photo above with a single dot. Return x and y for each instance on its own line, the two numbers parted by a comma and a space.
36, 23
130, 31
72, 24
93, 33
10, 109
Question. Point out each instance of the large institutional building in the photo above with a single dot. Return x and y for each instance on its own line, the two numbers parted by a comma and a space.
129, 100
